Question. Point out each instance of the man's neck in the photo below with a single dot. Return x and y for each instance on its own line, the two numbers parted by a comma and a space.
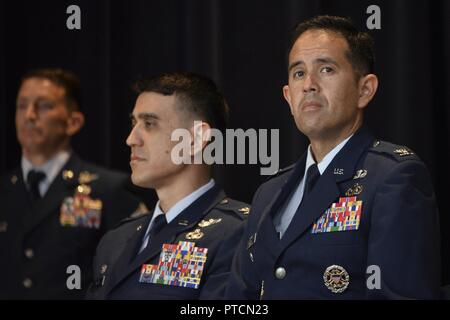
39, 158
181, 187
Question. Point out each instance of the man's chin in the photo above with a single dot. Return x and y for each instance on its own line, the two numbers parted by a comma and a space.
140, 181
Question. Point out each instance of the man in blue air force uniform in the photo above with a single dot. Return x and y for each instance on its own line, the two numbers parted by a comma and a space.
184, 248
355, 217
54, 207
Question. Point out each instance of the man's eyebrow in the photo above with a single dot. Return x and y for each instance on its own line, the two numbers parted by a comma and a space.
326, 60
144, 116
294, 64
316, 61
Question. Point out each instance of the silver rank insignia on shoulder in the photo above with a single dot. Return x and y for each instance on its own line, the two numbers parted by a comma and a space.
245, 210
224, 201
336, 279
403, 152
195, 235
338, 171
355, 190
251, 241
360, 174
207, 223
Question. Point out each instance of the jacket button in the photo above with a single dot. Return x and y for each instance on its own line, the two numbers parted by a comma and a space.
27, 283
29, 253
280, 273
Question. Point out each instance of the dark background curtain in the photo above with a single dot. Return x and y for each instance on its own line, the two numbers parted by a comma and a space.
241, 45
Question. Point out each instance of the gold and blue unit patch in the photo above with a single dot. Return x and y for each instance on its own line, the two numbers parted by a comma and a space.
179, 265
344, 215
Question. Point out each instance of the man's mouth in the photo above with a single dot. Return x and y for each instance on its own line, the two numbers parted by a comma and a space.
134, 158
310, 106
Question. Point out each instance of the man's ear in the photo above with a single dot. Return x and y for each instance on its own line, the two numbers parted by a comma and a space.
367, 88
201, 135
287, 96
74, 123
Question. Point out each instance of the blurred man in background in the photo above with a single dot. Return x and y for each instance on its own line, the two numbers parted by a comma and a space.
54, 205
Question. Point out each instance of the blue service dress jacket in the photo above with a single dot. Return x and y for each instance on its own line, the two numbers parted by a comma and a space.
42, 244
368, 229
162, 271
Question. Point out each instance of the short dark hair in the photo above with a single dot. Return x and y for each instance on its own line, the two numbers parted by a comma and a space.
63, 78
360, 55
199, 94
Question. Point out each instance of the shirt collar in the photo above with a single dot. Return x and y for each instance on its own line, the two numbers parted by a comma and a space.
183, 203
322, 165
51, 168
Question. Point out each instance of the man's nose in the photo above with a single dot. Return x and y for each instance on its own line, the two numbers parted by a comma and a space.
133, 138
310, 83
30, 111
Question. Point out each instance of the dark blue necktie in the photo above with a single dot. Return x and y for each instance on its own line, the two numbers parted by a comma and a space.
33, 179
158, 224
312, 176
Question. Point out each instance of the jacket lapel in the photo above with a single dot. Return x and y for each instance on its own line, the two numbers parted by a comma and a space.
326, 191
266, 227
129, 252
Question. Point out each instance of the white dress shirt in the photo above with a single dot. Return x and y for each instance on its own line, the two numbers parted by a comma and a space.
51, 169
284, 218
176, 209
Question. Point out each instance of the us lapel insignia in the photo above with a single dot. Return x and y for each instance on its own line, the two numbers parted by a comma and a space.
338, 171
207, 223
195, 235
336, 279
342, 216
355, 190
179, 265
360, 174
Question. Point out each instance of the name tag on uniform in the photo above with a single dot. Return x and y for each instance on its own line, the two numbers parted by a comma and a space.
344, 215
179, 265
